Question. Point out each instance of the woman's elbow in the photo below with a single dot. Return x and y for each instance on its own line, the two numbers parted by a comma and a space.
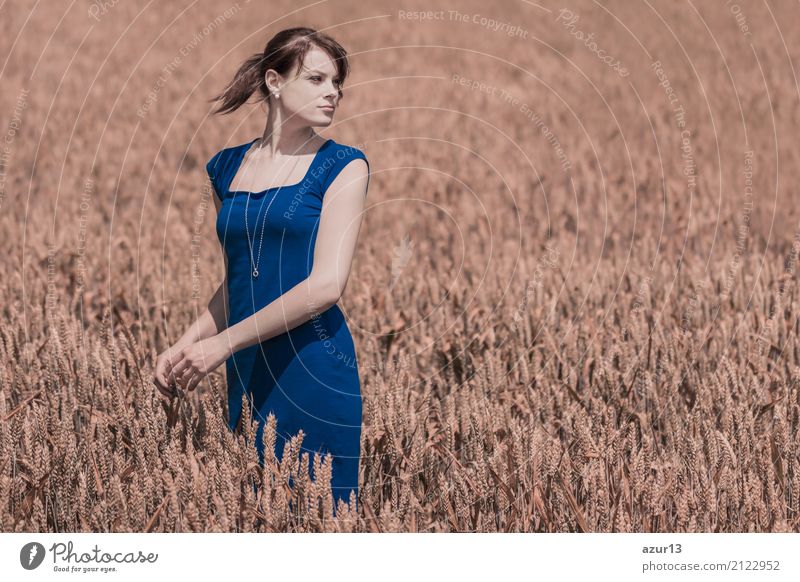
326, 291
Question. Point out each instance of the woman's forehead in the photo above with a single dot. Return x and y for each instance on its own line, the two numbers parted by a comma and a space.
318, 59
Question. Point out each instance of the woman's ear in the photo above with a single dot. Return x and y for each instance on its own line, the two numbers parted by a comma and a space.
273, 81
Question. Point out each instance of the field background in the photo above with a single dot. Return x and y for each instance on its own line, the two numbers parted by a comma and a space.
570, 314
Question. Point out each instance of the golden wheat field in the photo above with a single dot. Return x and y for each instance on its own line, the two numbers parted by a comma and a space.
574, 297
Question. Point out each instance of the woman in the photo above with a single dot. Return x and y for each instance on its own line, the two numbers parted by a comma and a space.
289, 208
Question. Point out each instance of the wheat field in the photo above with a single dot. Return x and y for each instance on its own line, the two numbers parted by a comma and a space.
574, 299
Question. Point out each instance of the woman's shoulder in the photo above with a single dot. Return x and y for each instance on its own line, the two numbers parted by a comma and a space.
219, 160
219, 164
215, 160
342, 151
337, 156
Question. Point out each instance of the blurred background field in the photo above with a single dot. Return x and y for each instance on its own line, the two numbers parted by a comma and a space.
574, 299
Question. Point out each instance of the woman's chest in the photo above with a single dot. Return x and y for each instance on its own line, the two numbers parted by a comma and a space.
292, 213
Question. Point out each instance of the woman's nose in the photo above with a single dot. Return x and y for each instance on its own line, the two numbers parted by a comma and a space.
332, 90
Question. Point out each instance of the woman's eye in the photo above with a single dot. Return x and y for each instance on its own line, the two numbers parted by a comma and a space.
317, 78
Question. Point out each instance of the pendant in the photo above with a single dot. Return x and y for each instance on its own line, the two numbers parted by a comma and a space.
255, 273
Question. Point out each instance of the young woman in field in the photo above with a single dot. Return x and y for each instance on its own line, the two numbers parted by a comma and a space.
289, 208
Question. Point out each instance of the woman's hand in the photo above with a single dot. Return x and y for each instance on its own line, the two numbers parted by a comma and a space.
191, 364
161, 372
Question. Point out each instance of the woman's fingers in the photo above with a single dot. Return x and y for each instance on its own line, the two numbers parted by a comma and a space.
164, 391
163, 388
172, 371
194, 382
185, 377
178, 370
161, 377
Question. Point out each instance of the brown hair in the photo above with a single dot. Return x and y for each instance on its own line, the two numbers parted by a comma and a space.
283, 51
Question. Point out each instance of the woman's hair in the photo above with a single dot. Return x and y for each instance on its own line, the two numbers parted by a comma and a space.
283, 51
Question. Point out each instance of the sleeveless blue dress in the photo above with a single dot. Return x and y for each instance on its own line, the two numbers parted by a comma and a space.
307, 377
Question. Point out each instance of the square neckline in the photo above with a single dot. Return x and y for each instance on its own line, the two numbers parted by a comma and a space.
244, 152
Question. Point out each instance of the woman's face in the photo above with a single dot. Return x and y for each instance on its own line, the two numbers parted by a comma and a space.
308, 94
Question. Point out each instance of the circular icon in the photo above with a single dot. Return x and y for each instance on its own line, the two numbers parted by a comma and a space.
31, 555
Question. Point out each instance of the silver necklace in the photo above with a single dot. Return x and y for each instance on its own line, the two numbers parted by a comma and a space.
263, 226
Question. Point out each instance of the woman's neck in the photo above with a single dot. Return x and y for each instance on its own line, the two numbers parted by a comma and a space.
279, 142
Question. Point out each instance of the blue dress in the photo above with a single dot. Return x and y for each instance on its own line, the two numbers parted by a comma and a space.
307, 377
